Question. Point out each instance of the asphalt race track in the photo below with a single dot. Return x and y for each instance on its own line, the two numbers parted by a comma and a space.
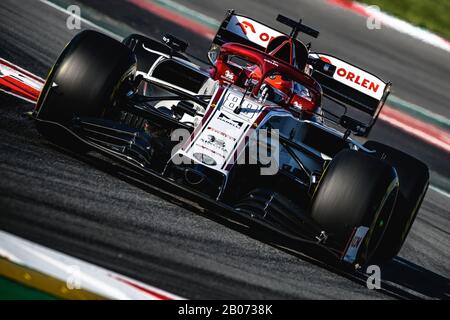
81, 207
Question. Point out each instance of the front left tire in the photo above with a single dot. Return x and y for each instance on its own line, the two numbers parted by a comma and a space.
87, 78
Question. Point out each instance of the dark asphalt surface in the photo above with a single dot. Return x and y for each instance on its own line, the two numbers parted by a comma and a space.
80, 207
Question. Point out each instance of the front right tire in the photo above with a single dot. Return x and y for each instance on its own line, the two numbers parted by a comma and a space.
356, 190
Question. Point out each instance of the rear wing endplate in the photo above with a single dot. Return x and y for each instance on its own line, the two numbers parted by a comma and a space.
352, 87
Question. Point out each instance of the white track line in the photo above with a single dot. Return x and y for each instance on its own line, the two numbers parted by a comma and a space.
440, 191
417, 133
90, 23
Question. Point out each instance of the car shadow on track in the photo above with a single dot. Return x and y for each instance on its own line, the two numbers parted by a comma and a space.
413, 277
401, 278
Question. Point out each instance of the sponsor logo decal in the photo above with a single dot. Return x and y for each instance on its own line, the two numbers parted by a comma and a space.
228, 76
244, 25
223, 134
252, 30
203, 158
213, 142
358, 79
231, 122
272, 62
353, 247
247, 24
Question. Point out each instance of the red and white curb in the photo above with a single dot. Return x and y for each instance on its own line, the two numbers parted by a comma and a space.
77, 273
419, 129
19, 82
394, 23
180, 20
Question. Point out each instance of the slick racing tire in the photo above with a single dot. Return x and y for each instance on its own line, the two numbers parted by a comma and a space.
356, 190
87, 78
414, 180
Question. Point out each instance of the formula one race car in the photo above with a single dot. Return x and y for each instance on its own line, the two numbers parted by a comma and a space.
262, 133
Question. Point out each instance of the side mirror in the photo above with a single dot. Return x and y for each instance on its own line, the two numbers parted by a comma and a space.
213, 54
322, 67
177, 45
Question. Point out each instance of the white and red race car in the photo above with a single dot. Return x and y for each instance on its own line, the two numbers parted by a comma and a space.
263, 135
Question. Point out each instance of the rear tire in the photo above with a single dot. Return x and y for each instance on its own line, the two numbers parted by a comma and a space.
356, 190
86, 79
414, 180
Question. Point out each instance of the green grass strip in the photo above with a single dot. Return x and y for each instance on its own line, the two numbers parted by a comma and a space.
11, 290
429, 14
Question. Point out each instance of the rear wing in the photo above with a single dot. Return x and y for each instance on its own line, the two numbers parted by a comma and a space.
353, 87
342, 82
244, 30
